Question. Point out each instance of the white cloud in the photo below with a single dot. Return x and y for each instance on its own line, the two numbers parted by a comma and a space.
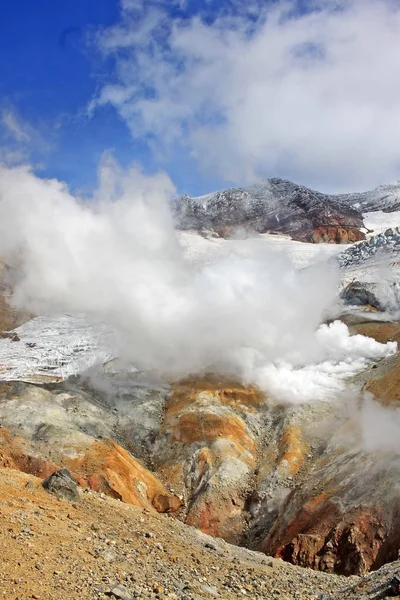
314, 97
22, 141
14, 125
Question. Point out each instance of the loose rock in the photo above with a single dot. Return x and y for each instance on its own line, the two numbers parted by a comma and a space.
120, 592
62, 485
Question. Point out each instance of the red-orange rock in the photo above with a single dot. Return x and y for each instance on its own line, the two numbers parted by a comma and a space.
386, 389
104, 467
108, 468
292, 451
351, 547
207, 449
331, 235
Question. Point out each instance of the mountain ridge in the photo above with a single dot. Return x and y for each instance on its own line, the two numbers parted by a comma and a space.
282, 206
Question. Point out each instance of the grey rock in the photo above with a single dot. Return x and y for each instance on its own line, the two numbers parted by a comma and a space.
210, 546
120, 592
62, 485
210, 589
109, 555
383, 245
358, 294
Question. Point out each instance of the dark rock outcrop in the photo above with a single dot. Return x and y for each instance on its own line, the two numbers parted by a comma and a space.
62, 485
360, 294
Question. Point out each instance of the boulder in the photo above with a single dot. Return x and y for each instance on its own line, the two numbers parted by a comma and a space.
119, 591
360, 294
62, 485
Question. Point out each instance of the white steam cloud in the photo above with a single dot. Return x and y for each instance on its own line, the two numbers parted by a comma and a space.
116, 257
379, 427
367, 425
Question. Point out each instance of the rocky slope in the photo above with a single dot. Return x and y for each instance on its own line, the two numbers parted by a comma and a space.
384, 245
275, 205
373, 266
381, 585
294, 482
99, 548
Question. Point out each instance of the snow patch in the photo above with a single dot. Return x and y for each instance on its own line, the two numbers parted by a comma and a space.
379, 221
55, 347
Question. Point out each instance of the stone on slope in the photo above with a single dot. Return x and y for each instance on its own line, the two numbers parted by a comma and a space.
62, 485
360, 294
119, 591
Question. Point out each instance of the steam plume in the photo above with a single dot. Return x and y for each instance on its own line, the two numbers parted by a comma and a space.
116, 256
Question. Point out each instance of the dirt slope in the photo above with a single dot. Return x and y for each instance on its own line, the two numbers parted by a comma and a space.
51, 549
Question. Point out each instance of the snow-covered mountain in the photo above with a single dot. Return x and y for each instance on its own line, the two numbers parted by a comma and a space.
277, 205
274, 205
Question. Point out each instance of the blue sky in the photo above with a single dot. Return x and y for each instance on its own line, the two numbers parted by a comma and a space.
47, 76
50, 70
294, 88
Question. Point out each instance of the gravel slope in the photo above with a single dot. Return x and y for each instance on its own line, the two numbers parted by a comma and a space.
52, 550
